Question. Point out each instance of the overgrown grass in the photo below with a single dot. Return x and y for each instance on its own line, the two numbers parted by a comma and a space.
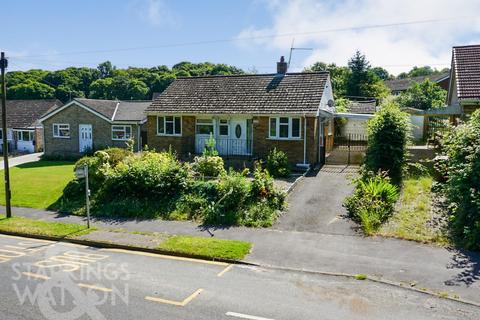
208, 247
37, 184
42, 228
413, 214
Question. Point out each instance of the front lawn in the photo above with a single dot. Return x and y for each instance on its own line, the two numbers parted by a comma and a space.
415, 216
37, 184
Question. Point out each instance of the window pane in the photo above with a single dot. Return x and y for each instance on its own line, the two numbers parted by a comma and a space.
223, 130
161, 125
273, 127
296, 128
204, 129
128, 132
283, 130
55, 130
64, 131
284, 120
168, 127
178, 125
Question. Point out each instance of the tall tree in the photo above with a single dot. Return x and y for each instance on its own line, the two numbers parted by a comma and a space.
362, 81
424, 96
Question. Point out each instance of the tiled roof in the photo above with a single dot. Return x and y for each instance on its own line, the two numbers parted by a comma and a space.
243, 94
26, 113
116, 109
362, 107
404, 84
466, 62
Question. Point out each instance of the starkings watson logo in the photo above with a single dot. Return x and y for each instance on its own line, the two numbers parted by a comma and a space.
67, 285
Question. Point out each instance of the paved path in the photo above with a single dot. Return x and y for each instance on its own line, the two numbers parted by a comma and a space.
426, 266
15, 161
315, 205
118, 284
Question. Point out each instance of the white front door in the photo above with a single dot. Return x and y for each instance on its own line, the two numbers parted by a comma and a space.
238, 137
85, 137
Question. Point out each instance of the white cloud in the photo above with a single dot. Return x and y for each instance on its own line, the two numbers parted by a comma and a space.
397, 48
155, 12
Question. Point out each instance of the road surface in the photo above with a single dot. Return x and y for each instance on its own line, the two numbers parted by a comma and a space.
50, 280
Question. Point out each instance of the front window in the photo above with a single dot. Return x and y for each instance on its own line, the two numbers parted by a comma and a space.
204, 126
284, 128
25, 135
121, 132
223, 128
61, 130
169, 125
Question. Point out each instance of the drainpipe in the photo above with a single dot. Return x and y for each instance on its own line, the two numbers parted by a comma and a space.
304, 140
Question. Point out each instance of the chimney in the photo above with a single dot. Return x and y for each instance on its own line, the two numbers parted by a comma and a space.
282, 66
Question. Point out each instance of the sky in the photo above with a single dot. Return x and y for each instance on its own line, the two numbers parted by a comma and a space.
250, 34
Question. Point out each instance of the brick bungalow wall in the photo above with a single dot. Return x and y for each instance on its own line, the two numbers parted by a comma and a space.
183, 145
38, 139
75, 115
261, 143
293, 148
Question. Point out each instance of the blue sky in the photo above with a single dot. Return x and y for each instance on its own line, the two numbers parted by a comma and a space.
49, 34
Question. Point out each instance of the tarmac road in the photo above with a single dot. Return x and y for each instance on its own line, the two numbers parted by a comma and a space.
50, 280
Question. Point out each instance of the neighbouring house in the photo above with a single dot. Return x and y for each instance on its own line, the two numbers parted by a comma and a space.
397, 86
84, 125
464, 91
356, 127
248, 115
24, 130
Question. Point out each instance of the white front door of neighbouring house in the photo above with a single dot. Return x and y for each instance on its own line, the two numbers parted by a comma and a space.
238, 137
85, 137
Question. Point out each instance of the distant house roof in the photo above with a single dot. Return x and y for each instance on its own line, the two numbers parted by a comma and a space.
466, 65
110, 110
26, 113
292, 93
362, 107
398, 85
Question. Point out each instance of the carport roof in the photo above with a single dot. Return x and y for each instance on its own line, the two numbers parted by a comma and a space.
27, 113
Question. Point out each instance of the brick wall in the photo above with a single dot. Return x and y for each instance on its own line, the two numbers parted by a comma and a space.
38, 139
293, 148
183, 145
74, 116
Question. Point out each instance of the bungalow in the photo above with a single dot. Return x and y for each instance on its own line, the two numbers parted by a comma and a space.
464, 91
248, 115
397, 86
24, 130
88, 124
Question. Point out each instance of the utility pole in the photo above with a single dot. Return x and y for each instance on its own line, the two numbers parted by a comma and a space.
3, 66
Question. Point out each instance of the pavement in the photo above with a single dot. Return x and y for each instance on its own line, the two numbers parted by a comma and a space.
15, 161
315, 205
50, 280
439, 269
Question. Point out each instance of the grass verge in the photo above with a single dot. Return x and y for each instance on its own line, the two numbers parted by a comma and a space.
42, 228
208, 247
38, 184
414, 217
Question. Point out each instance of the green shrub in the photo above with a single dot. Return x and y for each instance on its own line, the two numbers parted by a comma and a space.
210, 149
210, 166
461, 167
388, 134
262, 214
277, 163
372, 202
151, 175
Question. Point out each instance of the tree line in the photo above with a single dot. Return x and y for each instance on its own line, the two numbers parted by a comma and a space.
106, 81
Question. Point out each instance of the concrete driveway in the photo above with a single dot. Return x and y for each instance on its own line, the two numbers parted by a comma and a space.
315, 205
15, 161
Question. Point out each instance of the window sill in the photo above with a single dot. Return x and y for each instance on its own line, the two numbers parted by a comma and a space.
122, 139
57, 137
285, 139
169, 135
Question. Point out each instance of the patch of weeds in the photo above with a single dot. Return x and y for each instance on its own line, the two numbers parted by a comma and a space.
361, 276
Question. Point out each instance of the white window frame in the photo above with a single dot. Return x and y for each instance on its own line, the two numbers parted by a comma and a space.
225, 123
203, 122
20, 135
164, 133
58, 125
124, 129
277, 128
